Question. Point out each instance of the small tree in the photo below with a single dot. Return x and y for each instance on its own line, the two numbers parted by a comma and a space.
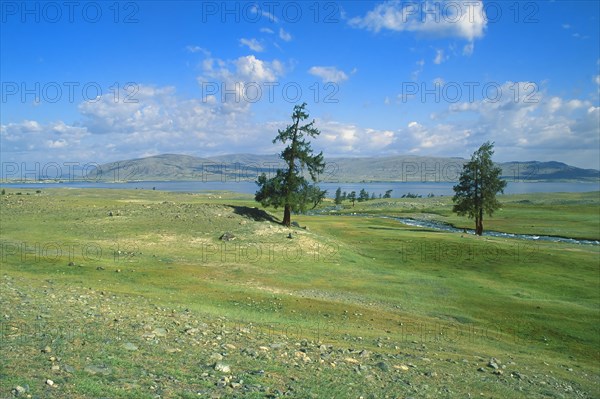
289, 188
363, 195
344, 196
479, 182
352, 197
338, 196
388, 194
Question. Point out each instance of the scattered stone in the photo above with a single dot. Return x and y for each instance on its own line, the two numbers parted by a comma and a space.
227, 237
497, 372
431, 374
110, 213
71, 263
99, 268
493, 363
130, 347
19, 390
290, 236
91, 369
47, 349
222, 367
216, 357
68, 369
382, 366
118, 271
402, 367
481, 369
295, 224
159, 332
351, 360
55, 367
49, 382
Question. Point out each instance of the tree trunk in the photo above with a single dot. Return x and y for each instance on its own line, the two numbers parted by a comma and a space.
287, 216
479, 223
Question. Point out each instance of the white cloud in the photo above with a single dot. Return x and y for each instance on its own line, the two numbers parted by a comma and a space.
285, 36
597, 79
462, 19
256, 9
415, 74
439, 57
267, 30
348, 139
468, 48
196, 49
252, 44
328, 73
241, 75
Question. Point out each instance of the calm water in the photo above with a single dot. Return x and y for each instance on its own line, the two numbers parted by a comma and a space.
246, 187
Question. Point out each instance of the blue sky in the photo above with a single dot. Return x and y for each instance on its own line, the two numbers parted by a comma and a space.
105, 81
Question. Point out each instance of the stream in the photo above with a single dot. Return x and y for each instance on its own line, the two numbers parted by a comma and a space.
437, 225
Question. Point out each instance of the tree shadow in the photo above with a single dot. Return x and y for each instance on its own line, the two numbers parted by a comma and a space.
254, 213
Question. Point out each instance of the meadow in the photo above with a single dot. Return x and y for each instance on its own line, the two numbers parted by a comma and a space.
137, 294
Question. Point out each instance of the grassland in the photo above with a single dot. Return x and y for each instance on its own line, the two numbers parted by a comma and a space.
149, 302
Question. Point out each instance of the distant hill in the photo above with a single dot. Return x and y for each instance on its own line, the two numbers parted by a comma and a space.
247, 167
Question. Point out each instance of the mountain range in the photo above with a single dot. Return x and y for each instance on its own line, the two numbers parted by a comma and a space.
402, 168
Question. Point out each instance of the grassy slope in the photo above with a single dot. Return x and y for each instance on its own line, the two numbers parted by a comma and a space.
350, 282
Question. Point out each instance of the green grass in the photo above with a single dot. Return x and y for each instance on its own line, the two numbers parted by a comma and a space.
371, 283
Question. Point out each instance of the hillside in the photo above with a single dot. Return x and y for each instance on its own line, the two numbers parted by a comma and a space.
406, 168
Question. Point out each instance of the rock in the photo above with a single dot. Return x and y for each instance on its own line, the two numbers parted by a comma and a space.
431, 374
382, 366
351, 360
222, 367
290, 236
49, 382
71, 263
130, 347
110, 213
402, 367
47, 349
91, 369
19, 390
497, 372
55, 367
493, 363
99, 268
295, 224
481, 369
68, 369
227, 237
159, 332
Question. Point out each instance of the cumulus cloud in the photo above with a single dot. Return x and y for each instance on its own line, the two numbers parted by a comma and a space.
462, 19
328, 73
238, 83
347, 139
523, 122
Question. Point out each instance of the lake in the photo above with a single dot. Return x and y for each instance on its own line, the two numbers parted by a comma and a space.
247, 187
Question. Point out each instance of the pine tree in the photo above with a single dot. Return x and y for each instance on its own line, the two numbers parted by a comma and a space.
479, 182
289, 188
